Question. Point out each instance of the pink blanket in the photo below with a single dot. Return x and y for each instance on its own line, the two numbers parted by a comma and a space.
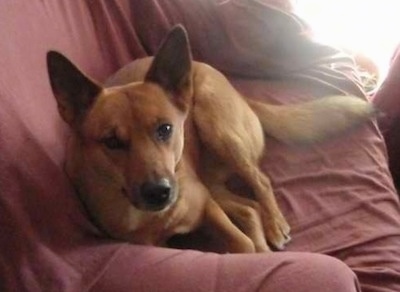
338, 196
387, 99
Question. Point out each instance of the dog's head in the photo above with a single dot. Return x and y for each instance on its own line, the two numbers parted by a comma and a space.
127, 140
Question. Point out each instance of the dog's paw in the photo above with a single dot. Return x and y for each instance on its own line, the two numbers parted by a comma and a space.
241, 244
262, 248
277, 232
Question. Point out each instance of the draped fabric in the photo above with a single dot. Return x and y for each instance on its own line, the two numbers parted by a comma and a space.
338, 196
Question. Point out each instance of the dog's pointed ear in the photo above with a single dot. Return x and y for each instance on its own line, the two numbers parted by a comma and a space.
172, 66
73, 90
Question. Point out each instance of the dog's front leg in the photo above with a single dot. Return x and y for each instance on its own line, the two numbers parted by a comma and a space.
218, 223
246, 214
197, 208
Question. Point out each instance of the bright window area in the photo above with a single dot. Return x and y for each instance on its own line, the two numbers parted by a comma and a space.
369, 27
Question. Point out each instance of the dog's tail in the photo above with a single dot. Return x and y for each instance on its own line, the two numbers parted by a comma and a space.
312, 121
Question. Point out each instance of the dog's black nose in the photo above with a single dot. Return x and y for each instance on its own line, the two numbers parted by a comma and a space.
156, 195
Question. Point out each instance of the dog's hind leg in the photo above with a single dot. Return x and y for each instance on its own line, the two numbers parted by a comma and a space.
232, 133
275, 227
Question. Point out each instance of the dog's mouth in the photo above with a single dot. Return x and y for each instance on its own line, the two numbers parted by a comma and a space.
152, 196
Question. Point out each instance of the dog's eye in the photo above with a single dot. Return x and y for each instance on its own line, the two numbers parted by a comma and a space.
164, 132
114, 143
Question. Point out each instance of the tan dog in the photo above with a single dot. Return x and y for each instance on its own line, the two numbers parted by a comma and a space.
151, 153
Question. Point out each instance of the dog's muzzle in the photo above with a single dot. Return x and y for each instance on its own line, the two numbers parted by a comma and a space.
154, 196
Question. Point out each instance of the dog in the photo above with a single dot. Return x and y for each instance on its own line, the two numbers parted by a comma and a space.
152, 150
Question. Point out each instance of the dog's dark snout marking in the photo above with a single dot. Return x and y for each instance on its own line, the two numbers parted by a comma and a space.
156, 195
